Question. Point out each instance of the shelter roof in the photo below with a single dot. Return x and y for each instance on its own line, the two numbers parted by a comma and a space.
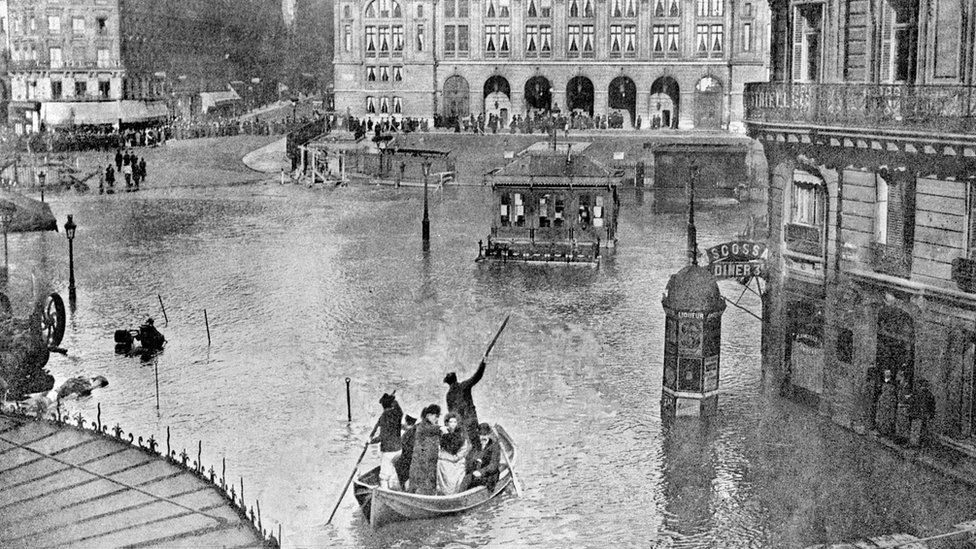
551, 163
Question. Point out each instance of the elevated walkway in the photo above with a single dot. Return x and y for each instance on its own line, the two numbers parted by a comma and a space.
65, 485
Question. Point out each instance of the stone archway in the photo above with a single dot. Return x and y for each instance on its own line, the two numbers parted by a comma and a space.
708, 104
622, 96
579, 95
457, 101
498, 98
538, 94
665, 103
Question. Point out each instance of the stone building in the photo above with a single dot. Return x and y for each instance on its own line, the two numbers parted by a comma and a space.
869, 134
670, 63
78, 62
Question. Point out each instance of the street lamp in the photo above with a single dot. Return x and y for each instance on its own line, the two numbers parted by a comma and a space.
41, 177
6, 215
692, 231
69, 231
425, 224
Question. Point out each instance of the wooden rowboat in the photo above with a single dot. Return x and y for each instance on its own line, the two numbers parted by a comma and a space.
382, 506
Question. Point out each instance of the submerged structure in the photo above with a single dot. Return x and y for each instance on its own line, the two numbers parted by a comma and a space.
552, 206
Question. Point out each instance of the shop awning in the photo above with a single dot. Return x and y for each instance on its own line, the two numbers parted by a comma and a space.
99, 113
804, 177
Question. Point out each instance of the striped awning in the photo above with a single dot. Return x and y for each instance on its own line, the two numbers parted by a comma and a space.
804, 177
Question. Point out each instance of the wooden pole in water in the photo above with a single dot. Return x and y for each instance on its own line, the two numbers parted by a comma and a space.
156, 368
163, 307
199, 456
206, 321
348, 401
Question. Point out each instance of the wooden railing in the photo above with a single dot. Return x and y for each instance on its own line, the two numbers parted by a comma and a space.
942, 108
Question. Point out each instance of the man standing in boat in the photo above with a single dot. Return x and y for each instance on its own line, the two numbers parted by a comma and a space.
460, 402
426, 446
389, 439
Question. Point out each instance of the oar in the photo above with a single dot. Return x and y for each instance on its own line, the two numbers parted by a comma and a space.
354, 469
494, 339
511, 471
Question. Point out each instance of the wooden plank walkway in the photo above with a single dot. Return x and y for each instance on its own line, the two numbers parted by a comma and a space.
62, 486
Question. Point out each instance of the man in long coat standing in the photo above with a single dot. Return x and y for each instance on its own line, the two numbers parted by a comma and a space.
460, 402
426, 446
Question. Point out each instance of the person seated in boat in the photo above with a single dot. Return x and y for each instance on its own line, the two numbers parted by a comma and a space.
427, 443
483, 465
150, 337
451, 460
406, 455
389, 440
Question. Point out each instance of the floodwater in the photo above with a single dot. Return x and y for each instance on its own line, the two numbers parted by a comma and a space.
304, 288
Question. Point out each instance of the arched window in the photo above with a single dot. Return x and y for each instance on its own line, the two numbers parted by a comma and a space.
384, 9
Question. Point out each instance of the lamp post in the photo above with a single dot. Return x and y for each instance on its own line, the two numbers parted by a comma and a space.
6, 215
381, 144
425, 224
692, 231
41, 177
69, 231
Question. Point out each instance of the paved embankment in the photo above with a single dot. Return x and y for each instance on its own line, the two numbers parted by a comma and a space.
270, 158
64, 486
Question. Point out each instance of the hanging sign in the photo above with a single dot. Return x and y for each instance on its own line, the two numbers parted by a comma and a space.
737, 259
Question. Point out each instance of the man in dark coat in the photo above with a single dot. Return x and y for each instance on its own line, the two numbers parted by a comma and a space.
460, 402
118, 160
406, 455
389, 439
426, 446
921, 410
483, 464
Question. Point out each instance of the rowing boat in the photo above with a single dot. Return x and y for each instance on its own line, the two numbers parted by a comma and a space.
383, 506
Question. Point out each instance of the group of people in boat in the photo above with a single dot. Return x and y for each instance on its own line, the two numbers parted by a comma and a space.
434, 457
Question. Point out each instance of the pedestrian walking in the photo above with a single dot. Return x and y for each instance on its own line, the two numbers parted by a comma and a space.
109, 180
118, 160
142, 170
921, 411
127, 173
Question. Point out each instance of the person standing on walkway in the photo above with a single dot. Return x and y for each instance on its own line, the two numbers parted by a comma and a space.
460, 402
921, 411
127, 171
118, 160
902, 419
109, 179
142, 170
884, 418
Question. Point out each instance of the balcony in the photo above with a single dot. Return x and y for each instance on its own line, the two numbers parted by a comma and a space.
964, 274
804, 239
939, 108
891, 260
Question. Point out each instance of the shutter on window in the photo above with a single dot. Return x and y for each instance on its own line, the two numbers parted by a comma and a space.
886, 38
799, 24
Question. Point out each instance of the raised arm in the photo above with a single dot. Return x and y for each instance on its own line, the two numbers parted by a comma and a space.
476, 377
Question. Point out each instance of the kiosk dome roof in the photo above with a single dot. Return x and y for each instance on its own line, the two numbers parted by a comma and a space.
693, 289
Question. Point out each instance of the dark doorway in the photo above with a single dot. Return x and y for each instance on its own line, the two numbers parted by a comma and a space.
895, 352
457, 100
622, 95
538, 93
498, 98
579, 95
665, 103
708, 104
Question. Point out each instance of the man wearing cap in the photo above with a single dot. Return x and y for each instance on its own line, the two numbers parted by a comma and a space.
483, 463
389, 439
406, 443
460, 402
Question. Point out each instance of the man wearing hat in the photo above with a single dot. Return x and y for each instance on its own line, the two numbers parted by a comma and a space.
150, 337
406, 456
460, 402
483, 463
389, 439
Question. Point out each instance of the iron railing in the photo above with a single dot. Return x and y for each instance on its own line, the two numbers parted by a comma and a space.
940, 108
891, 259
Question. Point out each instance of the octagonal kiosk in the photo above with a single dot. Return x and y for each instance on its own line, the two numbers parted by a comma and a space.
693, 309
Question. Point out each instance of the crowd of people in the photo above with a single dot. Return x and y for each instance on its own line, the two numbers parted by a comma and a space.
902, 412
128, 168
433, 457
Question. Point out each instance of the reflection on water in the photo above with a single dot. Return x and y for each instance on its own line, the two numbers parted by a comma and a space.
304, 288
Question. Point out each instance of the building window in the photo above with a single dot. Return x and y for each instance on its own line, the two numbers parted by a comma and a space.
630, 40
397, 39
104, 88
420, 38
575, 37
54, 23
347, 12
347, 38
717, 38
462, 34
371, 74
370, 104
55, 58
384, 105
385, 74
398, 74
504, 212
588, 35
497, 40
747, 37
544, 202
808, 202
498, 8
384, 38
103, 58
545, 37
420, 10
456, 8
56, 91
807, 47
711, 8
450, 40
657, 36
673, 9
616, 40
673, 39
81, 88
490, 38
804, 232
624, 8
581, 8
845, 346
747, 10
456, 40
78, 25
101, 25
383, 8
397, 105
540, 8
370, 41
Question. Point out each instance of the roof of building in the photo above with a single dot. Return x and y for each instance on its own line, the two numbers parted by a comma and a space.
693, 289
551, 163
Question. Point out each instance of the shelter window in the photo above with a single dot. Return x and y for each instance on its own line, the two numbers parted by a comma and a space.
584, 214
81, 88
504, 211
559, 207
104, 87
56, 89
598, 212
544, 202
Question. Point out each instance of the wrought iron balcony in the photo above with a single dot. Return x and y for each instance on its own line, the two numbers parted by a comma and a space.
891, 260
940, 108
804, 239
964, 274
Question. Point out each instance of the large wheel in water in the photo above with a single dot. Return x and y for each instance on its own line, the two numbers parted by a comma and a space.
53, 320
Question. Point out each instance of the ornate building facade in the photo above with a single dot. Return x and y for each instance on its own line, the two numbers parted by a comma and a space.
671, 63
869, 135
76, 62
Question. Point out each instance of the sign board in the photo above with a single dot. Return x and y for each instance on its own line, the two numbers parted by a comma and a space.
737, 259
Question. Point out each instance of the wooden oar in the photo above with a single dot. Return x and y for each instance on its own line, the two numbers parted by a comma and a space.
494, 339
511, 471
354, 469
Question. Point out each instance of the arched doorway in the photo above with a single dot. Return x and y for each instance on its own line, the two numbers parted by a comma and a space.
665, 103
579, 95
622, 96
498, 98
538, 94
457, 102
708, 104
